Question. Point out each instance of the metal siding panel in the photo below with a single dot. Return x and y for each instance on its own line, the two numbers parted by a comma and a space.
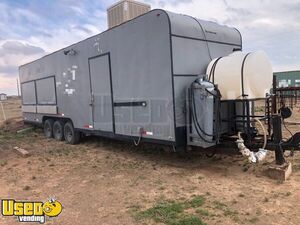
29, 108
28, 93
216, 32
189, 56
180, 85
33, 117
141, 70
45, 90
101, 90
47, 109
185, 26
218, 50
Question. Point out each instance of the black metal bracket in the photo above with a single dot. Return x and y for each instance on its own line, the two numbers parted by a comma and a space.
130, 104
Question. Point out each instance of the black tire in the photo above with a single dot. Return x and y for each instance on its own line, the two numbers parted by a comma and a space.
48, 128
71, 136
58, 130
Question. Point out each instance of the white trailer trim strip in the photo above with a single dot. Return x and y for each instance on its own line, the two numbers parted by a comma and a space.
29, 108
47, 109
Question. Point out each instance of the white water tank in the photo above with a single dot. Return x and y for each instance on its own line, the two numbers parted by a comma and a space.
240, 73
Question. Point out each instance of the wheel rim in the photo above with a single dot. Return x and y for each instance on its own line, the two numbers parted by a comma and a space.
68, 134
47, 129
57, 131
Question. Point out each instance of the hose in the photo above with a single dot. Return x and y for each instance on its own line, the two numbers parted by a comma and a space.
253, 157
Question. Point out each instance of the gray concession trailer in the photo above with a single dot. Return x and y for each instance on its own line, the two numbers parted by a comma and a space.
128, 82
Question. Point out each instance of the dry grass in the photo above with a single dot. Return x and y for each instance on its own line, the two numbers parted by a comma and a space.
12, 108
102, 181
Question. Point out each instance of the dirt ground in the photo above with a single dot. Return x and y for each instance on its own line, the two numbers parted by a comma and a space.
101, 181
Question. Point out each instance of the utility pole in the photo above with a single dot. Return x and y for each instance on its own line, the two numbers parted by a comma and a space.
18, 87
4, 116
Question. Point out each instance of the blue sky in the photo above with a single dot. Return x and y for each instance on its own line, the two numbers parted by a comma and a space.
30, 29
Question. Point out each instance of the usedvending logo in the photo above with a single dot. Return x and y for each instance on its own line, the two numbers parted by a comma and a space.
27, 211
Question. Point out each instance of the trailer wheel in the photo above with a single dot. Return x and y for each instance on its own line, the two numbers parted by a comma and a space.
58, 130
48, 128
71, 136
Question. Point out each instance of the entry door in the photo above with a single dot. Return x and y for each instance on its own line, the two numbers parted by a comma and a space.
101, 99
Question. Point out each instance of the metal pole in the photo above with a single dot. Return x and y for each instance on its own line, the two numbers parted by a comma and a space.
18, 87
274, 103
3, 110
248, 121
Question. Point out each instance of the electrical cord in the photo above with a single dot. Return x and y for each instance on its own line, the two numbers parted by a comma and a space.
137, 143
